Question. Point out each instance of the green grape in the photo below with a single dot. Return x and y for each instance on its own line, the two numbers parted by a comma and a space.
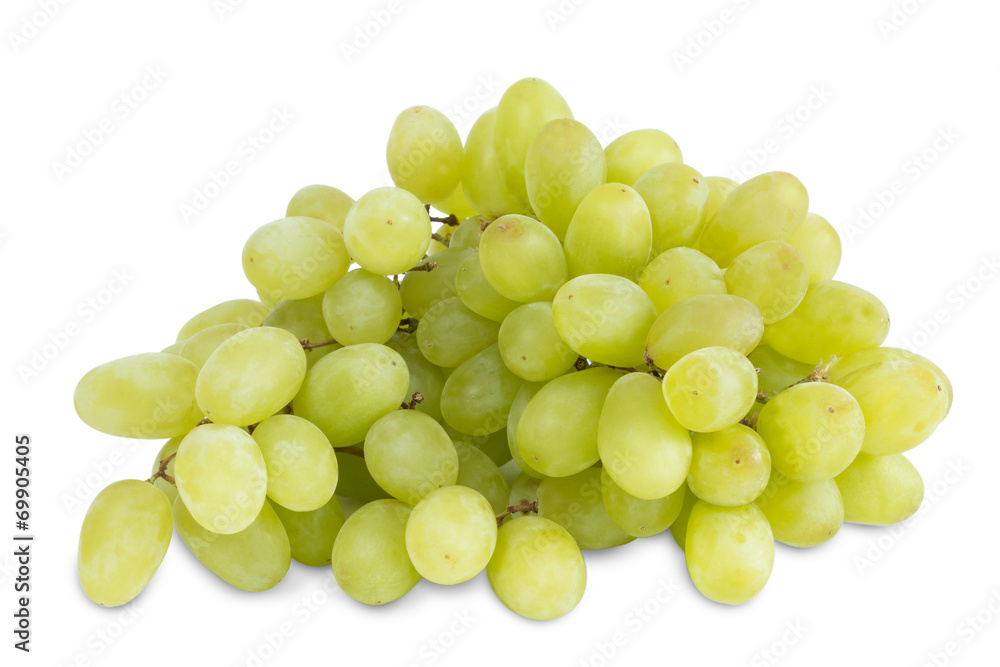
523, 110
477, 471
531, 346
813, 431
818, 242
524, 396
709, 320
537, 569
476, 398
301, 467
678, 529
576, 504
450, 333
145, 396
174, 348
634, 153
425, 377
199, 347
710, 389
802, 514
124, 537
675, 195
311, 534
610, 233
642, 447
251, 376
304, 318
362, 307
467, 234
321, 202
349, 505
604, 318
841, 368
451, 534
268, 299
410, 455
494, 445
478, 294
424, 154
636, 516
422, 290
350, 389
169, 447
456, 203
564, 163
903, 403
353, 479
680, 273
522, 259
241, 311
557, 432
772, 276
880, 490
295, 258
719, 188
768, 207
730, 551
254, 559
524, 489
729, 467
481, 178
387, 231
834, 319
776, 370
369, 557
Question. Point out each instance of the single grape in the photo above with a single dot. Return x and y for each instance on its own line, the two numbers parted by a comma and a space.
387, 231
362, 307
199, 347
467, 234
477, 471
610, 233
456, 203
478, 294
776, 370
678, 529
730, 467
818, 242
841, 368
719, 188
576, 504
772, 276
301, 467
476, 398
410, 455
710, 389
634, 153
494, 445
451, 334
880, 490
709, 320
304, 319
675, 195
636, 516
174, 348
522, 259
425, 154
531, 346
241, 311
482, 180
354, 481
521, 400
422, 290
321, 202
802, 514
311, 534
679, 273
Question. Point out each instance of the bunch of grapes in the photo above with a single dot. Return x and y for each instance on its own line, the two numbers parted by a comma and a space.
595, 345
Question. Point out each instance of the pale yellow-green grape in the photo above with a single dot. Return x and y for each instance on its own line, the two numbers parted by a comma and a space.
577, 504
680, 273
354, 480
639, 517
321, 202
802, 514
522, 259
467, 234
634, 153
145, 396
834, 319
362, 307
524, 489
295, 258
604, 318
772, 276
477, 471
813, 431
481, 177
410, 455
537, 569
564, 163
880, 490
703, 321
524, 396
456, 203
301, 467
124, 537
494, 445
729, 467
424, 154
199, 347
350, 389
478, 294
769, 207
675, 195
523, 110
311, 534
169, 447
729, 551
476, 398
268, 299
450, 333
903, 403
174, 348
642, 446
678, 529
387, 231
776, 370
241, 311
610, 233
425, 377
304, 318
451, 534
530, 345
557, 432
422, 290
719, 188
819, 244
369, 557
844, 366
251, 376
710, 389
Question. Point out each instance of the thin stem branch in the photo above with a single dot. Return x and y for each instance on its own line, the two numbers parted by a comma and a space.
307, 345
353, 450
162, 472
819, 374
429, 266
524, 507
442, 240
417, 399
206, 420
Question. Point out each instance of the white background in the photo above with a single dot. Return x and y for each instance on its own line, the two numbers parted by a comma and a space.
880, 95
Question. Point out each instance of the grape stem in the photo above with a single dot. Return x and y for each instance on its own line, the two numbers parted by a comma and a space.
483, 224
440, 239
417, 399
206, 420
819, 374
353, 450
450, 220
306, 345
751, 421
162, 472
429, 266
524, 507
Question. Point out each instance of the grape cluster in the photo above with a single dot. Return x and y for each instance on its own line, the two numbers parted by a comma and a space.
597, 344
